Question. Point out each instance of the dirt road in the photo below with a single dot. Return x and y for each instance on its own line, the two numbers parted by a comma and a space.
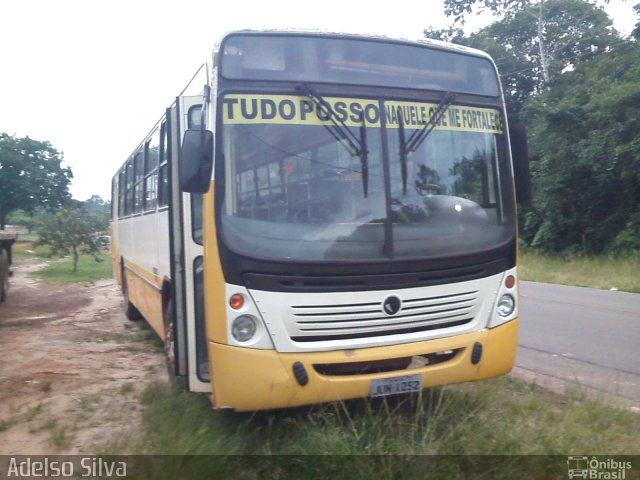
71, 367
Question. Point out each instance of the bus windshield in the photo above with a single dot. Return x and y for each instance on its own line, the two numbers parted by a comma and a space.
301, 186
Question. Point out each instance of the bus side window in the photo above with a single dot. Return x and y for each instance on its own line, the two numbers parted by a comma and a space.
128, 201
138, 167
152, 155
163, 172
121, 194
151, 191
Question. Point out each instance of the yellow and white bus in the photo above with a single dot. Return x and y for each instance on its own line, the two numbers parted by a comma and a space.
329, 217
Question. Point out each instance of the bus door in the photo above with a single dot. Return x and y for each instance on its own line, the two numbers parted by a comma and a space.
191, 262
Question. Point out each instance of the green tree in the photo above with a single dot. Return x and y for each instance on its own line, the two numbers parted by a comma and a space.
96, 204
636, 31
31, 175
534, 43
72, 231
24, 219
586, 149
574, 82
98, 207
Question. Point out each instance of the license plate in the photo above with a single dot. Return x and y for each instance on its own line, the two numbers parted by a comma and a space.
395, 385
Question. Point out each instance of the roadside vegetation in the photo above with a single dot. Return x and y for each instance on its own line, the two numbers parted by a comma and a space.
504, 416
572, 80
603, 271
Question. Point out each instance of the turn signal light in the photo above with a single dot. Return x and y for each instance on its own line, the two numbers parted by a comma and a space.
236, 301
510, 281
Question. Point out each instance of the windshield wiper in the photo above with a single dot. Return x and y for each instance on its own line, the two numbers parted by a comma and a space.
403, 153
419, 136
364, 158
357, 147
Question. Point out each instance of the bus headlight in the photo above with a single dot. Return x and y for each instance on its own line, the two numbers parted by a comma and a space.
506, 305
243, 328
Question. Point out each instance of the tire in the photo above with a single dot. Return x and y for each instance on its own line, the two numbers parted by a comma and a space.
4, 275
130, 310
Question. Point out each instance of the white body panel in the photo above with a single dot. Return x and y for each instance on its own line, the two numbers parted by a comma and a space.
144, 241
302, 322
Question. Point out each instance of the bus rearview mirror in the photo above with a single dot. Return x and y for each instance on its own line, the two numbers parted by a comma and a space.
520, 155
196, 161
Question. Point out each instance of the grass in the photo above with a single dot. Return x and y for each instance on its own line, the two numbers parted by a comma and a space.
126, 389
140, 333
45, 386
595, 272
497, 417
34, 412
503, 416
61, 270
7, 424
58, 435
24, 247
88, 270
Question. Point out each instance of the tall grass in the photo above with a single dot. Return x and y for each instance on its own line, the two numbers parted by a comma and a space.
24, 247
384, 438
602, 272
502, 417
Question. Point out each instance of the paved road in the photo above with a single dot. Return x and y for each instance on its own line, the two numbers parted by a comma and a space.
581, 336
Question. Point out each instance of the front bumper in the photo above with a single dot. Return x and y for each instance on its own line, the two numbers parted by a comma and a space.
250, 379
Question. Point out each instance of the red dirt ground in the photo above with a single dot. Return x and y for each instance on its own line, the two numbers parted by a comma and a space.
72, 367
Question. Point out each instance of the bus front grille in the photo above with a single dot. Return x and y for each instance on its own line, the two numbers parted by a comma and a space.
325, 322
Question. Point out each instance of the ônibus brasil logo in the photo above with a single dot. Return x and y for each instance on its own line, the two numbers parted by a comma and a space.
597, 469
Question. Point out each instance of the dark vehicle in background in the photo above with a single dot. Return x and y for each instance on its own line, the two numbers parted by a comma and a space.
7, 239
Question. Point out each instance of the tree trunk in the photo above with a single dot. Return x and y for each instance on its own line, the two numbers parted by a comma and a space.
75, 259
544, 62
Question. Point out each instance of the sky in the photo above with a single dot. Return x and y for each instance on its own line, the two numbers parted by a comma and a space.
93, 76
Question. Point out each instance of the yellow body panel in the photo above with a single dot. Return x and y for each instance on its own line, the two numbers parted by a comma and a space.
250, 379
145, 292
214, 282
145, 289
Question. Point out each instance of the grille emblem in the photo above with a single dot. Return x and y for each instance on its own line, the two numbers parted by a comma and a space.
391, 305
